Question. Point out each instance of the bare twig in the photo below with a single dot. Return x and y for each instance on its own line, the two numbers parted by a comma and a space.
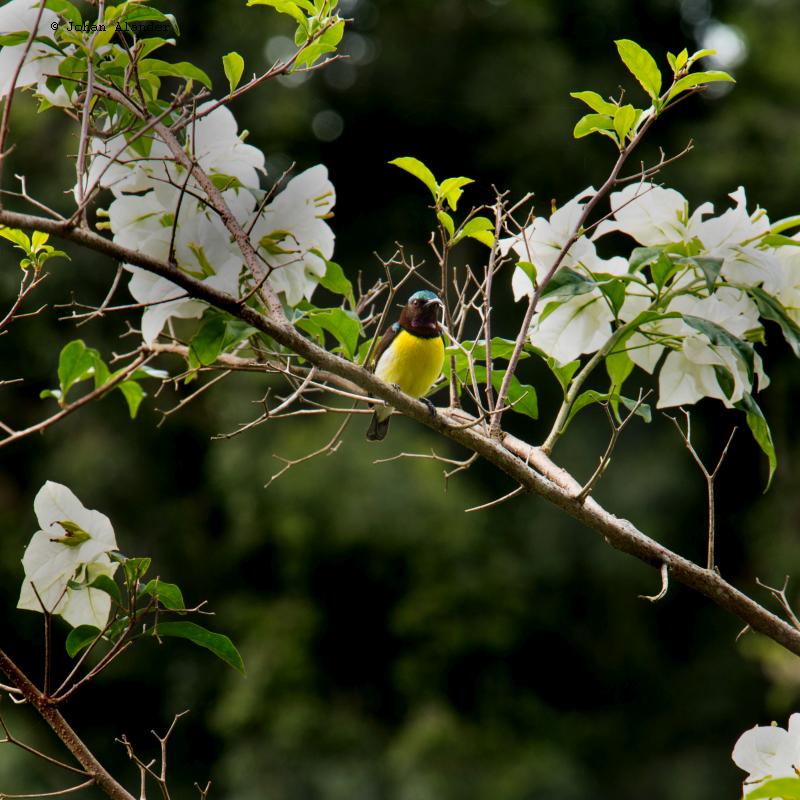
654, 598
780, 596
605, 459
709, 476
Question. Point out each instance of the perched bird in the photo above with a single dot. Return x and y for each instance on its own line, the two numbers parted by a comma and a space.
410, 354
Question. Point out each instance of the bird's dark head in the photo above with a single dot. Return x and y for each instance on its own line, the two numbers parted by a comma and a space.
420, 314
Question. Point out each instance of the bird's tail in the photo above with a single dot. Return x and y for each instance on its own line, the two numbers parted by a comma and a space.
380, 424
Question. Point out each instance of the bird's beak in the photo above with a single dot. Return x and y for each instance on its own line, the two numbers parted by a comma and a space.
436, 301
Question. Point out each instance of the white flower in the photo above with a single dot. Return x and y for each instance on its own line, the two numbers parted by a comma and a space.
733, 237
766, 752
72, 545
293, 236
541, 242
581, 324
20, 16
689, 374
652, 215
202, 248
214, 143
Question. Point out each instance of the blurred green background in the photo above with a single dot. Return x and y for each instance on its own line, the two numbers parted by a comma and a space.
396, 647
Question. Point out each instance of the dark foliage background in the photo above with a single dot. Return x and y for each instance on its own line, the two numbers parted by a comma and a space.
398, 648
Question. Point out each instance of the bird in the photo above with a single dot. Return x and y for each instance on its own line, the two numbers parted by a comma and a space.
410, 355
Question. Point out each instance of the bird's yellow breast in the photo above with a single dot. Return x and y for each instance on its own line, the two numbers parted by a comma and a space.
412, 362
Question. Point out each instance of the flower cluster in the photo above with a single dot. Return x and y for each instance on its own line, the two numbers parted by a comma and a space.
688, 303
65, 556
158, 211
19, 17
769, 752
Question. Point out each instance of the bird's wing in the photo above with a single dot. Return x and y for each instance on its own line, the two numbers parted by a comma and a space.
387, 338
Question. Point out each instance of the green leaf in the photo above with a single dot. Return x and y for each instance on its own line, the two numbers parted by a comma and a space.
618, 366
233, 65
642, 65
698, 79
133, 394
772, 309
710, 267
592, 123
168, 594
662, 269
446, 221
207, 343
568, 283
643, 410
79, 638
75, 363
757, 423
181, 69
451, 190
582, 400
418, 170
335, 281
500, 348
785, 224
596, 102
614, 290
13, 39
107, 584
342, 325
642, 257
720, 337
785, 788
521, 396
563, 373
325, 44
220, 645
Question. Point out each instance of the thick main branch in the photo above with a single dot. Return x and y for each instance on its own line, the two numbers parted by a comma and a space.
527, 465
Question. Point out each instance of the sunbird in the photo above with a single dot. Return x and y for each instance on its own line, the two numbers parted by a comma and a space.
410, 355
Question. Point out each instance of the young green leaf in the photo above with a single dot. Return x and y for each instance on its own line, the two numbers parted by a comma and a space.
284, 7
593, 123
182, 69
624, 118
451, 189
233, 65
596, 102
785, 788
446, 222
696, 79
642, 65
220, 645
480, 228
418, 170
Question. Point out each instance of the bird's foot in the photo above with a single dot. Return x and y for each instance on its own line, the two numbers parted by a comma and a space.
431, 406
